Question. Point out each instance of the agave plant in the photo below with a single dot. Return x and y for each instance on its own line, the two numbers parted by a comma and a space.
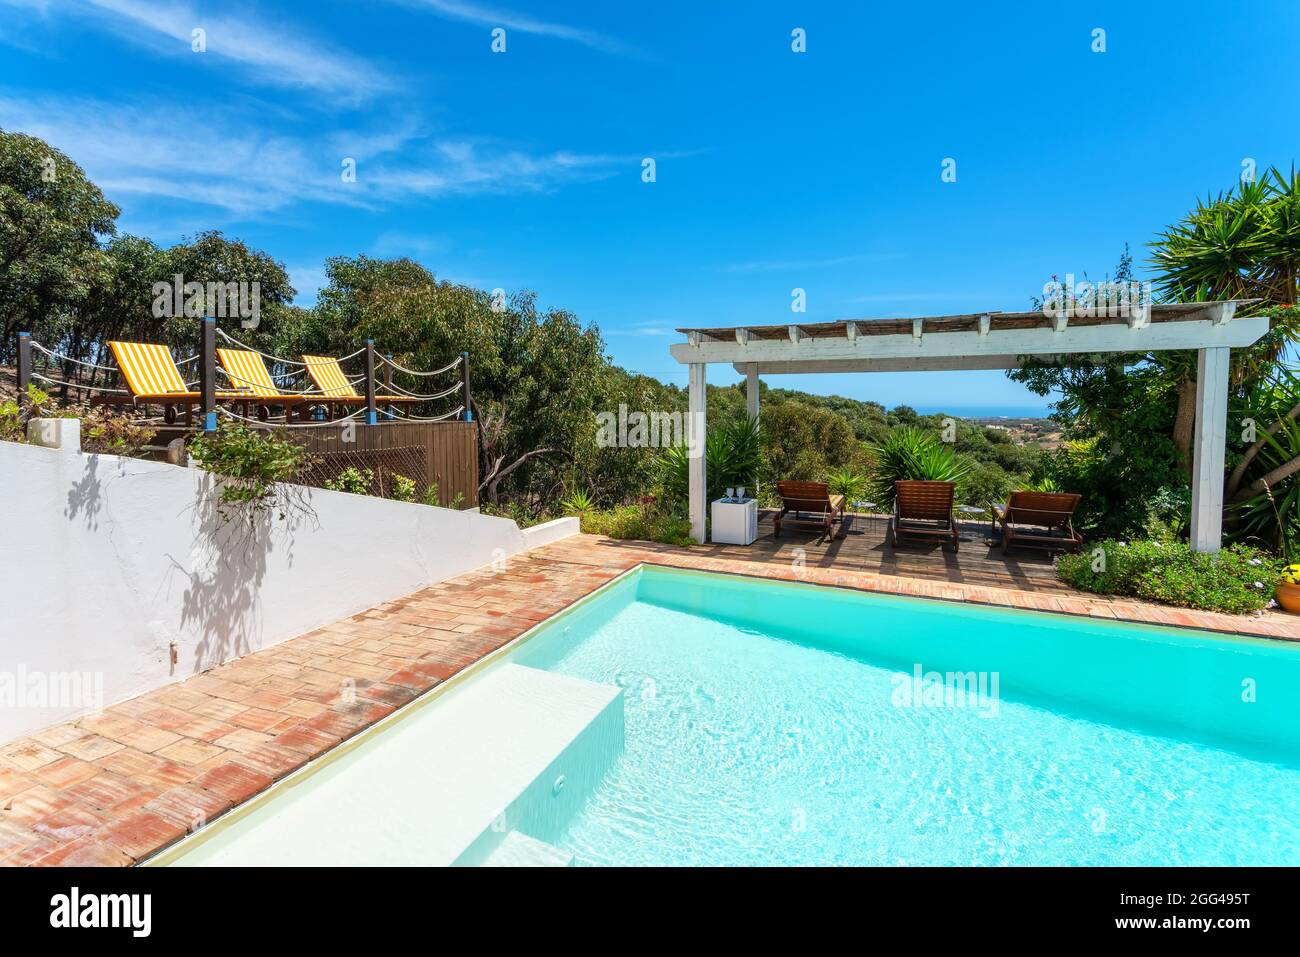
579, 502
911, 453
852, 485
1044, 484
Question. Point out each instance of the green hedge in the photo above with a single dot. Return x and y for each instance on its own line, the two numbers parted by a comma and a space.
638, 522
1237, 580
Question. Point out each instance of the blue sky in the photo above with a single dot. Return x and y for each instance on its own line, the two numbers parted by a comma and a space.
775, 169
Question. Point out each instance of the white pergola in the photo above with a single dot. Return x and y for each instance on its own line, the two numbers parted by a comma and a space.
991, 340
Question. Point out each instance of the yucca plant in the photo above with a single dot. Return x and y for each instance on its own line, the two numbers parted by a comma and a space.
1044, 484
911, 453
578, 502
852, 485
733, 454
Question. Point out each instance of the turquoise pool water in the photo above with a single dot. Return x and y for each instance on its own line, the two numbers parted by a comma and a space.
771, 723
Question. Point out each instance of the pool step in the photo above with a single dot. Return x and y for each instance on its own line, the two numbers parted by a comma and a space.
485, 773
520, 850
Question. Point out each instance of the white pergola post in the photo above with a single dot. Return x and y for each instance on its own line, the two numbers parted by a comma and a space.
1208, 455
751, 391
696, 441
751, 405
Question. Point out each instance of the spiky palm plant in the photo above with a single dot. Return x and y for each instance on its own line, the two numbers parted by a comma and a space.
910, 453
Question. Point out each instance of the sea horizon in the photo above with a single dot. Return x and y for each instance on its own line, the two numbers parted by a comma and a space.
986, 411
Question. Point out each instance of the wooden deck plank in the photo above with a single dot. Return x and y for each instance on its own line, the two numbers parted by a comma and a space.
865, 548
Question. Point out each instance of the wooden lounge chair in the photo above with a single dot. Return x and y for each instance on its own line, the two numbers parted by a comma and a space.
335, 387
1040, 520
152, 377
248, 376
924, 510
799, 497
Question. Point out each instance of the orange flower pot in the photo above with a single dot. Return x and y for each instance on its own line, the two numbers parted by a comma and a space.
1288, 596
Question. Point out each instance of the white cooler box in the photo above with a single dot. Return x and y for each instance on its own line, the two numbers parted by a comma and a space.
735, 522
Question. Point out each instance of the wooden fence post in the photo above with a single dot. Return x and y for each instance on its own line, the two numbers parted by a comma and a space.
24, 365
464, 372
371, 417
208, 373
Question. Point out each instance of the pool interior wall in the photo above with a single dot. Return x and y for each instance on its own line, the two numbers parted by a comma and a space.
1233, 691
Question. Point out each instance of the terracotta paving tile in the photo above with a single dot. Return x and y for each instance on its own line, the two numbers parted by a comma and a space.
306, 741
108, 790
91, 747
190, 751
29, 755
62, 734
187, 806
149, 739
206, 729
33, 850
140, 833
69, 823
86, 852
148, 768
12, 782
66, 772
218, 708
242, 739
235, 782
271, 759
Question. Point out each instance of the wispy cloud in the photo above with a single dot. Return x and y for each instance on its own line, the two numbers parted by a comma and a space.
643, 330
278, 53
232, 163
492, 16
782, 265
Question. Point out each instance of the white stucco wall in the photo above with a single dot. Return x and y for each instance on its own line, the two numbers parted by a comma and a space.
108, 560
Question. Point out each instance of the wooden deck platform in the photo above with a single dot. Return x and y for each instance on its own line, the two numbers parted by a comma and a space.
865, 547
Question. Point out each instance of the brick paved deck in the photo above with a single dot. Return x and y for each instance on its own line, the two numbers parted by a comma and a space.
113, 788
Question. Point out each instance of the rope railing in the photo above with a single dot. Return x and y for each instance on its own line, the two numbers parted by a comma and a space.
447, 368
209, 370
65, 358
258, 385
77, 385
291, 425
429, 396
265, 355
435, 418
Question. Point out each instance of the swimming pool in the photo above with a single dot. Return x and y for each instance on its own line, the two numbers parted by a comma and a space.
777, 723
682, 718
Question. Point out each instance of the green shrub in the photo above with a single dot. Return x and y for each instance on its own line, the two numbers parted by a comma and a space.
1237, 580
638, 522
402, 489
352, 480
733, 454
911, 453
852, 485
578, 503
254, 465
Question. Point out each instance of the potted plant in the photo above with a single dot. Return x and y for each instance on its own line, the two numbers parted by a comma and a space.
1288, 588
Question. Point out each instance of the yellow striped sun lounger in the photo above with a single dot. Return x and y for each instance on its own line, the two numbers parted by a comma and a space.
328, 375
150, 373
248, 374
